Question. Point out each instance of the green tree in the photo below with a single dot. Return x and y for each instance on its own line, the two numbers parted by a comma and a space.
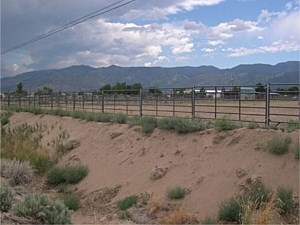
202, 93
20, 89
260, 87
44, 91
236, 89
154, 90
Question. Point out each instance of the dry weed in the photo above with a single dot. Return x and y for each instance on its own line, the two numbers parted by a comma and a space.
154, 205
178, 216
263, 216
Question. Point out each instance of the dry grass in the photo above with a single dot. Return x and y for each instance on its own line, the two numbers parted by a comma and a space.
261, 216
178, 216
154, 205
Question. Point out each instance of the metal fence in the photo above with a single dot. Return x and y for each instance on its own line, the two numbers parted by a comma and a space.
274, 103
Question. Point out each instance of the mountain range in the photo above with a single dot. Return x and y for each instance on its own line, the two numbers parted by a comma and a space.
82, 77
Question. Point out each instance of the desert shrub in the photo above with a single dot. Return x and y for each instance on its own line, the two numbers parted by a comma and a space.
292, 125
166, 123
230, 210
77, 114
285, 199
273, 126
297, 152
70, 174
148, 124
178, 216
6, 198
134, 121
5, 118
127, 202
258, 194
65, 188
154, 205
181, 125
71, 201
252, 125
225, 124
23, 144
279, 145
124, 215
209, 220
89, 116
176, 193
103, 117
44, 209
17, 173
119, 118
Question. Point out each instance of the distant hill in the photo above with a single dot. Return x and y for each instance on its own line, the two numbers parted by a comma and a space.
87, 78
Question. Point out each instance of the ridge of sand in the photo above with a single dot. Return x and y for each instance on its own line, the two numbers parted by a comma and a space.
205, 162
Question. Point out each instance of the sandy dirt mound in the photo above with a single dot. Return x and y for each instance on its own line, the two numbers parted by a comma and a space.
212, 165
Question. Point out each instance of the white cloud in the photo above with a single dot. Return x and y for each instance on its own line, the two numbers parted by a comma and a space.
260, 37
208, 50
215, 42
227, 30
165, 8
275, 47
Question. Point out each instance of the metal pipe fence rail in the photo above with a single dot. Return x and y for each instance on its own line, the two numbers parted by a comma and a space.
273, 103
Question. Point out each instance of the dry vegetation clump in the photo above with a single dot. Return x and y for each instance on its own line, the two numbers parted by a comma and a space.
176, 193
178, 216
225, 124
17, 173
23, 143
154, 205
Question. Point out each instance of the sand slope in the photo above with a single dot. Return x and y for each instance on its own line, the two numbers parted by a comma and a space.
206, 162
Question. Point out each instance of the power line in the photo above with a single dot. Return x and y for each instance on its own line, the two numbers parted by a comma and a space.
71, 24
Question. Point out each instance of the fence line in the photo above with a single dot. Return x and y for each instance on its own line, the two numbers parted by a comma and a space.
239, 103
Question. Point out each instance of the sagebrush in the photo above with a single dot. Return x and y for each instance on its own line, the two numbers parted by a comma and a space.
42, 208
6, 198
17, 173
70, 174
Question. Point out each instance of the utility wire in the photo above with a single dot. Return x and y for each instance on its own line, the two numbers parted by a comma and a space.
71, 24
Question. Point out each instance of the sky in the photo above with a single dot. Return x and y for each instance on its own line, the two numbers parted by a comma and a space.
222, 33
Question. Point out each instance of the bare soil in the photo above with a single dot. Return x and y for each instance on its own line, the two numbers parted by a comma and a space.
212, 165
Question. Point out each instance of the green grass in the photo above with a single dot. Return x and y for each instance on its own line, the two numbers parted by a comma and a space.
252, 125
67, 174
134, 121
71, 201
230, 211
258, 194
127, 202
5, 117
292, 125
181, 125
225, 124
6, 198
148, 124
119, 118
285, 199
176, 193
279, 145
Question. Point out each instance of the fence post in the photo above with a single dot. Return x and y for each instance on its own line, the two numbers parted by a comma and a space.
58, 100
267, 116
141, 103
114, 101
102, 102
39, 98
29, 99
8, 100
240, 103
20, 98
51, 98
74, 101
34, 100
173, 102
83, 102
92, 102
126, 105
193, 102
216, 89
